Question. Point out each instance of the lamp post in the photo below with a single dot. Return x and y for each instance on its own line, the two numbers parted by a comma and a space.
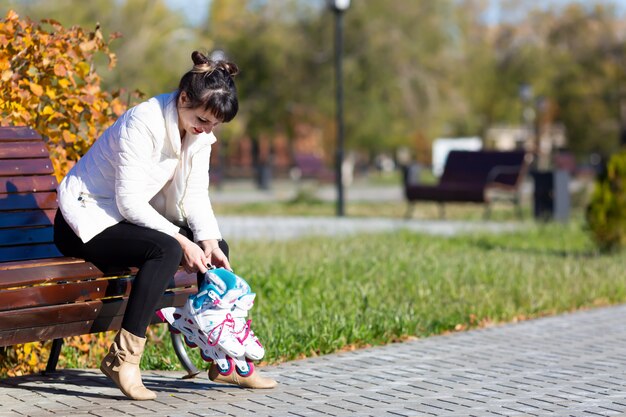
338, 7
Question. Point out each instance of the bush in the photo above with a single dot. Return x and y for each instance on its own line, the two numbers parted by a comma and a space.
23, 359
606, 213
49, 83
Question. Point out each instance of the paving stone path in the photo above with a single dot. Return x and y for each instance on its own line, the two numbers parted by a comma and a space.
284, 228
568, 365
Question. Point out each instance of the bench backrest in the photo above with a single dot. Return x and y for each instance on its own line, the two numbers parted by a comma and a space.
474, 167
310, 165
27, 196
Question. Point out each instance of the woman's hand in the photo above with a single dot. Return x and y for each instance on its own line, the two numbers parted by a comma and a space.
214, 254
194, 258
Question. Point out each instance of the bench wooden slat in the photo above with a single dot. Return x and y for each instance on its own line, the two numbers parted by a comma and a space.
101, 315
29, 252
17, 265
38, 166
23, 150
49, 316
23, 133
70, 270
43, 333
28, 201
25, 236
46, 295
27, 218
30, 184
12, 278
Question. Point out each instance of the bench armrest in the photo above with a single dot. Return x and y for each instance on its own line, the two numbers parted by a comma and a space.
498, 170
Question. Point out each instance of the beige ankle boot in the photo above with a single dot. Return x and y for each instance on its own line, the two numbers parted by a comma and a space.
121, 365
253, 380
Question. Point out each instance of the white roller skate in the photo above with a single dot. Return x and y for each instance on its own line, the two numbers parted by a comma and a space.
218, 281
214, 320
253, 347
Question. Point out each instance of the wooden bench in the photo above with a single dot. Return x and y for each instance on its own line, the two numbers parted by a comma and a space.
310, 166
44, 295
473, 176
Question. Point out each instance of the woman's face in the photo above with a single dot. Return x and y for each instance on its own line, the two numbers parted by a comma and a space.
194, 121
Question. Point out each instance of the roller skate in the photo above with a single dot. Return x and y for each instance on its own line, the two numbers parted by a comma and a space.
242, 327
214, 321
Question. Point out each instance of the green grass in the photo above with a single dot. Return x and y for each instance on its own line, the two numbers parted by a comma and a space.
306, 205
316, 296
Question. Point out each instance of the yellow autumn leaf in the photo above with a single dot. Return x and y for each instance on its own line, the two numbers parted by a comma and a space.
82, 68
88, 46
26, 117
47, 110
60, 70
11, 15
64, 83
36, 89
68, 137
92, 89
6, 75
118, 107
5, 63
27, 41
50, 92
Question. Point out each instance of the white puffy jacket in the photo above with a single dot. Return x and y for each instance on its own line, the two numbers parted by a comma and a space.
138, 171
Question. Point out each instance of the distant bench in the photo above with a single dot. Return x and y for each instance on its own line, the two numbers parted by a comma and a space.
44, 295
473, 176
310, 166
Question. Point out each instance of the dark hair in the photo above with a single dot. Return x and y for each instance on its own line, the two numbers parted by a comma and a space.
210, 84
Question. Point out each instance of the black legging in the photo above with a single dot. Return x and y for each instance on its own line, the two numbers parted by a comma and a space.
156, 254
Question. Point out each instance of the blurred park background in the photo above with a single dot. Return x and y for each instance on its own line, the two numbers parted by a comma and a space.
544, 77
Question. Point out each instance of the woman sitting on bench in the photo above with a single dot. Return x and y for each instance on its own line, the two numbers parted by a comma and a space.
139, 197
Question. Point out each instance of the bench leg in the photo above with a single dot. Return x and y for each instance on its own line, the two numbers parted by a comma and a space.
518, 208
487, 213
53, 359
181, 353
409, 210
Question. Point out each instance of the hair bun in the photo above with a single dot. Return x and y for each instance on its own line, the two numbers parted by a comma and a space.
202, 64
229, 67
199, 58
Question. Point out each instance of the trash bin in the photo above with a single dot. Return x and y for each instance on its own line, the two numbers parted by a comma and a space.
264, 176
412, 173
551, 195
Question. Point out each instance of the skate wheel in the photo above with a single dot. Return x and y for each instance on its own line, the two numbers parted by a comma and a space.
205, 357
229, 369
248, 372
190, 343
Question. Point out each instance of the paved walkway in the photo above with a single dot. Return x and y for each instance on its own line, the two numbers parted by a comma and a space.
569, 365
280, 228
244, 191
